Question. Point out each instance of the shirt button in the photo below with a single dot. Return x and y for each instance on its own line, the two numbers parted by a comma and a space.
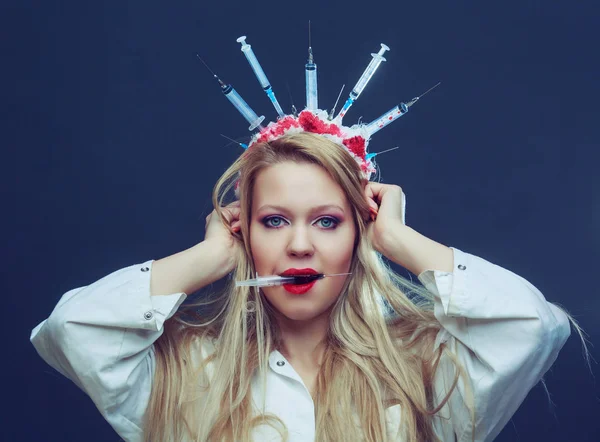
280, 363
148, 315
144, 269
462, 267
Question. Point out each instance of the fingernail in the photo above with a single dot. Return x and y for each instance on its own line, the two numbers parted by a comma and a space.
373, 213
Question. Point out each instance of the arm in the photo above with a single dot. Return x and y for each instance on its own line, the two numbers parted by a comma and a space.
101, 336
192, 269
505, 334
503, 331
416, 252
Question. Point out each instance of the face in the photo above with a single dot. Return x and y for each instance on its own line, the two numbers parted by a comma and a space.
301, 219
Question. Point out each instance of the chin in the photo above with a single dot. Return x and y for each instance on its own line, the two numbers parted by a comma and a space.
300, 315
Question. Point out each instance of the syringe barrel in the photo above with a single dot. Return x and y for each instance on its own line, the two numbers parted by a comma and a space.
391, 115
256, 67
367, 74
312, 100
244, 109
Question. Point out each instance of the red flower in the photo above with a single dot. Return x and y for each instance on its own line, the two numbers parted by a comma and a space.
277, 129
356, 145
311, 123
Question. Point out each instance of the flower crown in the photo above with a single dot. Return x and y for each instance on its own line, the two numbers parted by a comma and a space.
354, 139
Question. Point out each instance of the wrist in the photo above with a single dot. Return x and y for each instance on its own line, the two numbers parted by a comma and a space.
415, 252
220, 255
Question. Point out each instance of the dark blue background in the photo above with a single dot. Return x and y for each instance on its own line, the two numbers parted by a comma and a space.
111, 147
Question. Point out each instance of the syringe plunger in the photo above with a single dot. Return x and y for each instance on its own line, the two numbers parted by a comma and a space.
260, 74
256, 67
369, 71
363, 80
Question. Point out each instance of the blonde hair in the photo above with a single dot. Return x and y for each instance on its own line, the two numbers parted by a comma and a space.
375, 356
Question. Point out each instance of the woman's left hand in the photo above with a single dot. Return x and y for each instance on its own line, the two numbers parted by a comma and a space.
388, 205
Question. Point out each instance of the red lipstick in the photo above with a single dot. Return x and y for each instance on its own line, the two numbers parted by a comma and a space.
299, 289
292, 272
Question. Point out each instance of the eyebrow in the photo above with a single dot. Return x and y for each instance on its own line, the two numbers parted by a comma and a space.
313, 210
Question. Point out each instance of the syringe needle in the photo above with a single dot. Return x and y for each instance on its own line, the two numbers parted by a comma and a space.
206, 65
430, 89
414, 100
245, 146
388, 150
336, 103
294, 110
214, 75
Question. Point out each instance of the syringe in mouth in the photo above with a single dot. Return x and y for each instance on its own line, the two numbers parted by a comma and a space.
272, 280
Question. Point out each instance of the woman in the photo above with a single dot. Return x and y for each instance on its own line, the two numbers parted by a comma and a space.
351, 358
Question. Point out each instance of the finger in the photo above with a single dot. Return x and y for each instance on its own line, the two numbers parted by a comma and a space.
372, 196
231, 216
232, 212
376, 191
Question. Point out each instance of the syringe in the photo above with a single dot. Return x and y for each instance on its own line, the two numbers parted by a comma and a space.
244, 145
393, 114
272, 280
310, 68
260, 74
363, 80
239, 103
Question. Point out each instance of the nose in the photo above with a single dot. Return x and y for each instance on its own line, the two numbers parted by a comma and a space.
300, 242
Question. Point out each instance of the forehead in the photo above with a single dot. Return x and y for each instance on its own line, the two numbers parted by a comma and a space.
296, 185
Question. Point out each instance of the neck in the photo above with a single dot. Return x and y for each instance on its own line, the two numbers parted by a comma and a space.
303, 341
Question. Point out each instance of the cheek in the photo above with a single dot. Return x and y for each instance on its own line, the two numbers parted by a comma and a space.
261, 249
338, 250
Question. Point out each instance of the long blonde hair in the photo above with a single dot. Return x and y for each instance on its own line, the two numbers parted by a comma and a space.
379, 347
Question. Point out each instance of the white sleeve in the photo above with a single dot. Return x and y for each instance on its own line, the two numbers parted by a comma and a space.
505, 334
101, 337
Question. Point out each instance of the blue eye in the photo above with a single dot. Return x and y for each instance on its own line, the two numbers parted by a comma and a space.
331, 223
275, 222
275, 225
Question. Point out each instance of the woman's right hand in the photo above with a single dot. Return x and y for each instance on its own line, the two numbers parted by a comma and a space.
222, 237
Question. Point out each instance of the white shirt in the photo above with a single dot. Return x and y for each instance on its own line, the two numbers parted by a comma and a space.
507, 336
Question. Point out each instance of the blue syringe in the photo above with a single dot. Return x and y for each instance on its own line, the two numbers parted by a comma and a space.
239, 103
363, 80
260, 74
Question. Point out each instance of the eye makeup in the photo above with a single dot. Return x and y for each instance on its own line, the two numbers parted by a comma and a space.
332, 219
